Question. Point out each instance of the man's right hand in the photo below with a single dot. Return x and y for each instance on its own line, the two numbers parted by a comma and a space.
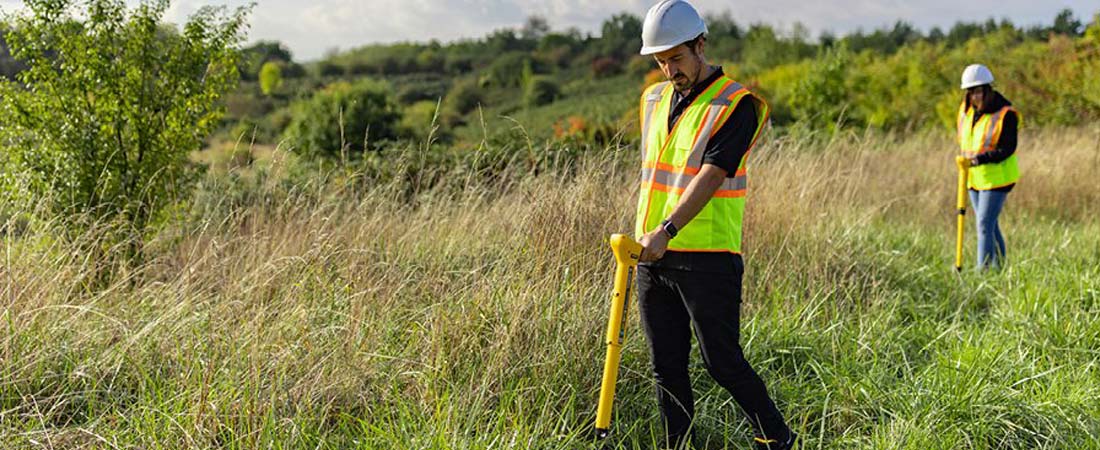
654, 245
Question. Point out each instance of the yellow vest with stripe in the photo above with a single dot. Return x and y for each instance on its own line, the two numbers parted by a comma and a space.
983, 136
672, 158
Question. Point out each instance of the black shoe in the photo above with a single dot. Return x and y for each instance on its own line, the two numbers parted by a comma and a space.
772, 444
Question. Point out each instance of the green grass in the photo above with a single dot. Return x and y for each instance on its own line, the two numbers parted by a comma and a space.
473, 318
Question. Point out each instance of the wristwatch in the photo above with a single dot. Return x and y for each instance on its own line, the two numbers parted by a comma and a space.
669, 228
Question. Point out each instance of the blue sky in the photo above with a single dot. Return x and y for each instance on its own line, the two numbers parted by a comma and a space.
310, 28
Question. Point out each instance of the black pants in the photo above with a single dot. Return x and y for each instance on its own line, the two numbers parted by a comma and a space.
672, 303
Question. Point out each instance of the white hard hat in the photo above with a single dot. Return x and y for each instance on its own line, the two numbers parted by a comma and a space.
668, 24
976, 75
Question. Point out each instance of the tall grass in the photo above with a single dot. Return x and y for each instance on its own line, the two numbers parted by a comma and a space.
470, 314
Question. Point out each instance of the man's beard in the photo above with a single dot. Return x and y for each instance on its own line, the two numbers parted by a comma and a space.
681, 81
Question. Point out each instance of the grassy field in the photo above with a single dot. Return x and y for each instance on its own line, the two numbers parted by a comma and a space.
471, 315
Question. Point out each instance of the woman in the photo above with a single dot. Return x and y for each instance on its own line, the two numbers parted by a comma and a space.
987, 127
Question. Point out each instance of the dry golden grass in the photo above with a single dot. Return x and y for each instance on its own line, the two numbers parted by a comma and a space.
472, 316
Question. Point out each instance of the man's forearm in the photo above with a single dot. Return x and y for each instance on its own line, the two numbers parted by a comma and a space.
697, 194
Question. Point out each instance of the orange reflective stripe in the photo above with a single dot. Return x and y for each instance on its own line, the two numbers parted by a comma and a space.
730, 194
695, 250
670, 168
991, 127
989, 131
741, 171
998, 126
721, 193
760, 128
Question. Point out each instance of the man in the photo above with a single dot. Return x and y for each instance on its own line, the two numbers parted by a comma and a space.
697, 130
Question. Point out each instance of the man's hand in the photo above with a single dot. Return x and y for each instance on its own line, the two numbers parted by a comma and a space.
654, 245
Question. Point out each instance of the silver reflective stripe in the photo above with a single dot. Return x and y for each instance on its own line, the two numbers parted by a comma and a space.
651, 101
695, 159
681, 181
717, 106
664, 177
735, 183
723, 98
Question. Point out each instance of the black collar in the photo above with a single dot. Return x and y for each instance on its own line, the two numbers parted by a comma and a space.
698, 88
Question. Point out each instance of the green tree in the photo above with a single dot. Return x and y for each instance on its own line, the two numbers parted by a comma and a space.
271, 77
464, 96
507, 70
1092, 34
111, 104
9, 66
1065, 23
534, 28
344, 119
619, 36
256, 55
821, 98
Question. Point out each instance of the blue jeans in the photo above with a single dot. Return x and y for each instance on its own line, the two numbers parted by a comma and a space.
991, 243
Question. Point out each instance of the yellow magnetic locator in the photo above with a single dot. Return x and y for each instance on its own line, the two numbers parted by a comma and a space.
627, 253
960, 202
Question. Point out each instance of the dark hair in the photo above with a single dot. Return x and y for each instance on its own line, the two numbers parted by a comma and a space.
692, 43
987, 88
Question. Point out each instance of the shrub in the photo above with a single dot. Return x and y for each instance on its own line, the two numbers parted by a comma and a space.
271, 77
639, 66
605, 66
112, 103
507, 70
344, 119
464, 96
541, 90
821, 98
329, 69
417, 119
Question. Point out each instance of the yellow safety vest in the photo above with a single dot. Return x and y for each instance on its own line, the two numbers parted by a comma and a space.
977, 138
671, 159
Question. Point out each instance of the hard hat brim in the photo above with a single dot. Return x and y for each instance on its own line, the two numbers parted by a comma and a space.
646, 51
966, 86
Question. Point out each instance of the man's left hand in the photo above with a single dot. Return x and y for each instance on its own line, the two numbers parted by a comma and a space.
654, 245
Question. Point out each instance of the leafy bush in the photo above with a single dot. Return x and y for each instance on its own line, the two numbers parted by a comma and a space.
111, 104
464, 97
344, 119
604, 67
541, 90
507, 71
639, 66
271, 77
418, 119
821, 98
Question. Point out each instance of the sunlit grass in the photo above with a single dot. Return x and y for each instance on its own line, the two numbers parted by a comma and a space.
470, 315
